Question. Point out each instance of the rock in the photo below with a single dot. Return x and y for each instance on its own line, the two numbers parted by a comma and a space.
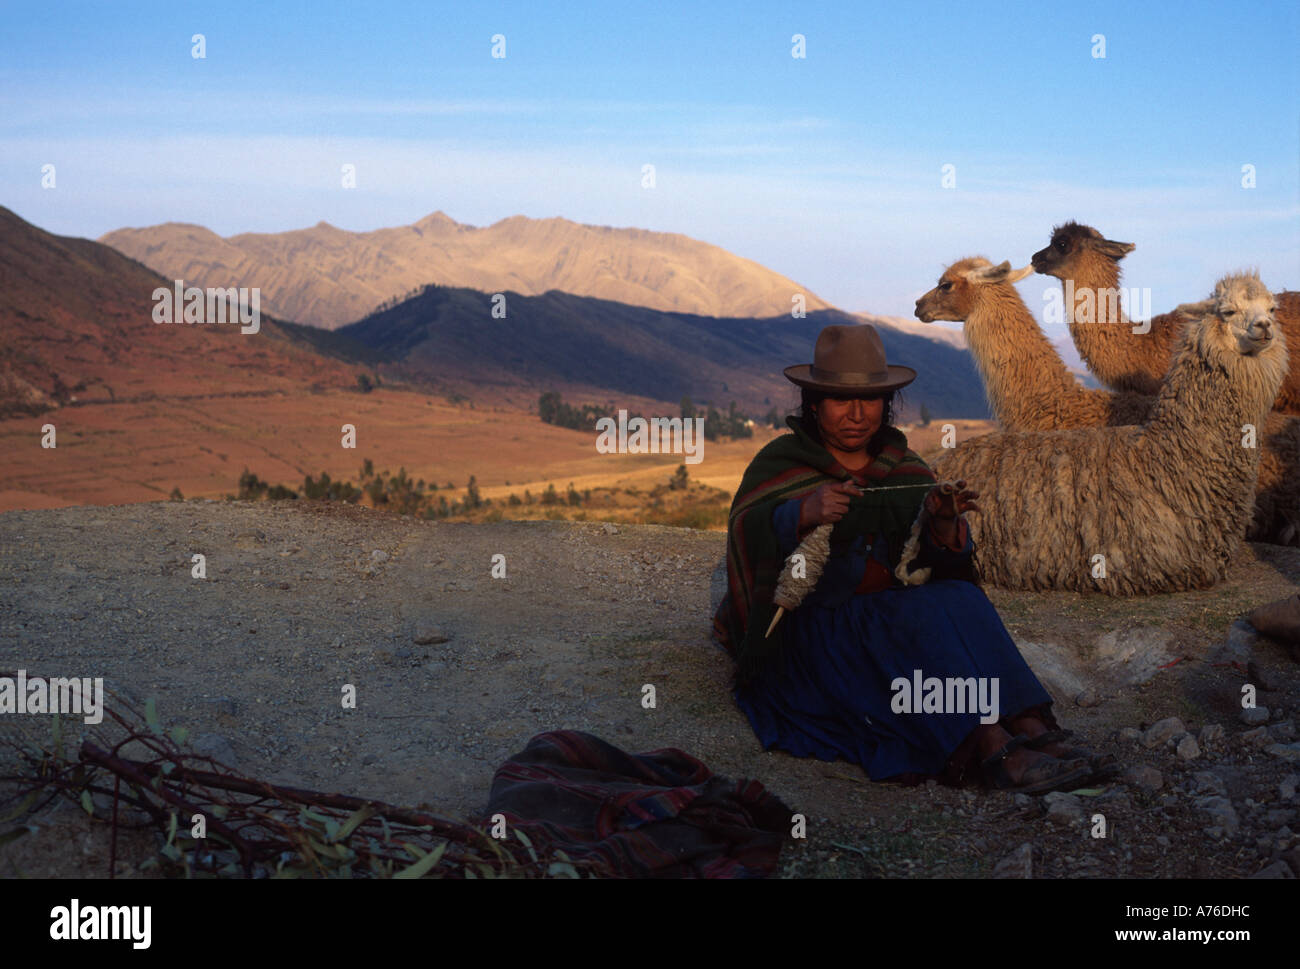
1237, 648
1283, 732
1221, 812
1211, 733
1162, 732
1088, 698
379, 555
429, 636
1063, 808
1288, 752
1279, 620
1058, 668
1018, 864
1204, 780
1253, 716
1147, 778
216, 747
1134, 655
1188, 749
1255, 738
1292, 858
1279, 869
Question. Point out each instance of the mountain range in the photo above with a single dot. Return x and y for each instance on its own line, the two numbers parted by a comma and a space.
326, 277
75, 317
593, 347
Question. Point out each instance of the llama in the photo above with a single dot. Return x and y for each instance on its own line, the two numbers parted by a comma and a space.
1030, 389
1133, 510
1088, 266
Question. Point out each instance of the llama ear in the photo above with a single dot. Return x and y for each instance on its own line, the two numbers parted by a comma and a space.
989, 274
1018, 274
1116, 250
1194, 311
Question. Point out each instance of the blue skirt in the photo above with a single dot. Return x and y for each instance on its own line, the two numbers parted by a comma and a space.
833, 692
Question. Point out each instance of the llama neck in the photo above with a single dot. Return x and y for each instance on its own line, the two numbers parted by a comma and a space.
1024, 376
1097, 321
1202, 409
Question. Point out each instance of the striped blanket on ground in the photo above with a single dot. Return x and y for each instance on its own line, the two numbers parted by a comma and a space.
660, 814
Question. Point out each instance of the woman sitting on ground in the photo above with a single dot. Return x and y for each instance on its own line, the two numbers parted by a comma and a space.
823, 683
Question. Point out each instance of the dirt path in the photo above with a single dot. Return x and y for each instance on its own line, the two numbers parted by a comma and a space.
302, 598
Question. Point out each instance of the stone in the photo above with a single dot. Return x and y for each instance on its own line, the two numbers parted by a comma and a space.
217, 747
1134, 655
1283, 733
1279, 869
1162, 731
429, 636
1211, 733
1017, 864
1204, 780
1279, 620
1258, 737
1253, 716
1187, 748
1221, 812
1292, 858
1147, 778
1088, 698
1063, 808
1237, 648
1288, 752
1059, 668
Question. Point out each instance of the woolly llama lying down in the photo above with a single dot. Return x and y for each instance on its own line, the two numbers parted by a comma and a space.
1029, 388
1087, 264
1157, 507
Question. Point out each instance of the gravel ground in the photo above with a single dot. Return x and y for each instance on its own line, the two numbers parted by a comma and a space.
456, 669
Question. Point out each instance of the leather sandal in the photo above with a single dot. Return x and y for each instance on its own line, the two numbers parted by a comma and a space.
1039, 779
1103, 765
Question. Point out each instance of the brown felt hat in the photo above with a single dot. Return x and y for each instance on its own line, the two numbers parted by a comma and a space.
850, 359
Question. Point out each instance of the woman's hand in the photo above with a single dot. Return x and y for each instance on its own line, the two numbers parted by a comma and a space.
945, 501
828, 503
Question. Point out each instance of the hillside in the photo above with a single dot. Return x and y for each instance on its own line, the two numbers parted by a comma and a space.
326, 277
604, 348
76, 322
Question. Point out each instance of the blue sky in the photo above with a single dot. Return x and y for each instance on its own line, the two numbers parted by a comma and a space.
826, 168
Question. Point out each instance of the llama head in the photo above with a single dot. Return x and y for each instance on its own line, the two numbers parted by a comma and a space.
1236, 330
1071, 246
961, 287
